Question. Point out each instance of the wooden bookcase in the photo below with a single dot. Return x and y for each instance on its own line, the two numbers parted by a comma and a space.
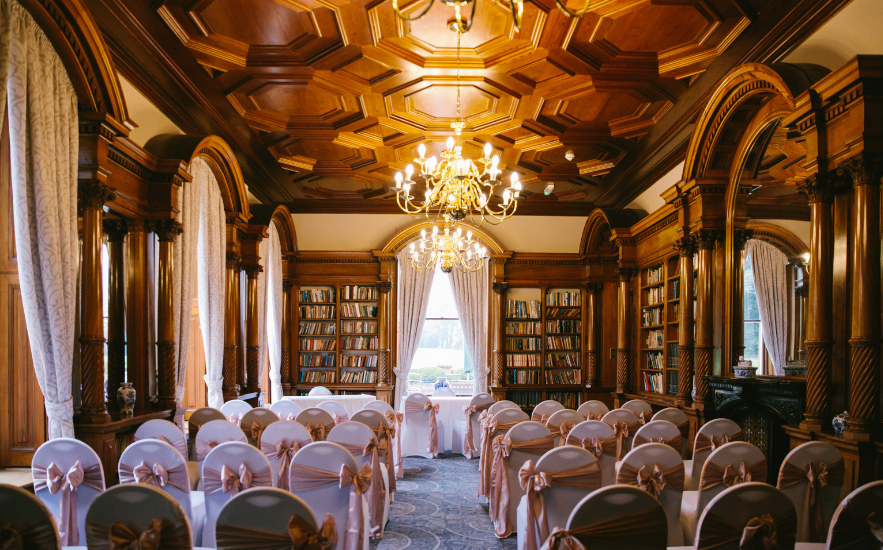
542, 344
337, 337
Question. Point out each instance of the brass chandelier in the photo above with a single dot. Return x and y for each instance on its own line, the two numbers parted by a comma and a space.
459, 23
455, 186
449, 249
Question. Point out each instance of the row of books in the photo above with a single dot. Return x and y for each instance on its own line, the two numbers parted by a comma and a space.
654, 361
655, 339
673, 356
318, 360
653, 382
570, 399
358, 360
655, 295
677, 308
563, 299
524, 344
356, 292
317, 312
553, 327
359, 327
318, 376
566, 360
523, 328
656, 275
563, 376
317, 329
358, 342
654, 316
562, 342
357, 310
522, 376
325, 344
525, 399
522, 361
522, 309
559, 313
123, 441
358, 377
316, 295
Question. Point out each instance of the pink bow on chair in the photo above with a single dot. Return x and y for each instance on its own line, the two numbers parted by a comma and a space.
395, 425
432, 444
235, 419
534, 483
284, 452
56, 481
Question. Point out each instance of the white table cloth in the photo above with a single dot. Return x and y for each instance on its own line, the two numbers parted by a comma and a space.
352, 403
450, 411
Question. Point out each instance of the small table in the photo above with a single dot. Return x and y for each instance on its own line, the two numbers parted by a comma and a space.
450, 411
352, 403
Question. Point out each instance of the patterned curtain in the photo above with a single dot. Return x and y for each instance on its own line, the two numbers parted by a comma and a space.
768, 264
263, 251
413, 300
274, 312
211, 258
470, 297
44, 143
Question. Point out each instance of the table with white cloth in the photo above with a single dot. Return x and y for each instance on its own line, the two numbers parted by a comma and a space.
352, 403
450, 411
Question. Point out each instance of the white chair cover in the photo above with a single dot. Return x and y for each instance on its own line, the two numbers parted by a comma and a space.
596, 409
170, 433
471, 414
641, 408
659, 470
227, 470
748, 515
269, 519
812, 477
680, 419
564, 476
337, 411
157, 463
196, 421
591, 435
561, 422
130, 511
330, 498
379, 406
544, 410
212, 434
279, 443
234, 409
317, 421
707, 439
613, 518
28, 517
729, 465
58, 464
444, 392
254, 422
659, 431
287, 410
319, 390
416, 428
501, 405
856, 523
624, 418
492, 426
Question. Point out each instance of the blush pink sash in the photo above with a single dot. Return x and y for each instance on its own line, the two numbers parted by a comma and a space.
675, 442
563, 431
486, 460
300, 536
818, 475
713, 475
255, 431
705, 443
621, 433
499, 499
596, 446
339, 419
39, 535
651, 481
318, 431
376, 493
647, 527
469, 447
55, 480
178, 444
235, 418
159, 535
395, 426
229, 481
203, 448
158, 475
284, 452
763, 532
385, 444
306, 477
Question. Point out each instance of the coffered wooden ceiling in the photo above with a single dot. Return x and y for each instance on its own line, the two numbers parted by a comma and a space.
337, 94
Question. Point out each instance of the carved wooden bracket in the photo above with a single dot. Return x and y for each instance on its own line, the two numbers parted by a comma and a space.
166, 230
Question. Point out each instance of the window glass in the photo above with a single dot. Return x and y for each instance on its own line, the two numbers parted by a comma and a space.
752, 334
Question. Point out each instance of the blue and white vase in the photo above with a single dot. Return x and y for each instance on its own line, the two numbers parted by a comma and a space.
126, 398
442, 383
840, 422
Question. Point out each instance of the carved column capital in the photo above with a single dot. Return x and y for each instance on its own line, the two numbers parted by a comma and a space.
252, 270
499, 288
385, 287
115, 229
233, 260
594, 288
166, 229
705, 238
625, 273
686, 245
94, 194
820, 188
741, 236
864, 169
287, 285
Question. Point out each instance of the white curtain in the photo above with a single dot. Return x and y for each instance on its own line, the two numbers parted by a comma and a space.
470, 297
412, 298
274, 312
184, 262
44, 144
263, 250
211, 258
768, 264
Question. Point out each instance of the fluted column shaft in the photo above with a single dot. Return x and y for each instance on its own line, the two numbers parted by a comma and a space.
686, 248
622, 329
167, 230
116, 311
704, 344
252, 357
285, 370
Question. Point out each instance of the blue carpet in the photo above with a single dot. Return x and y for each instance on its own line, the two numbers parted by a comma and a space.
437, 508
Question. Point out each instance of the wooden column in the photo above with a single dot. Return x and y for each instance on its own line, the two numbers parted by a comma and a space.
93, 195
500, 315
167, 231
115, 230
704, 314
252, 358
285, 369
384, 390
686, 247
591, 332
622, 330
231, 318
737, 322
819, 328
138, 312
864, 341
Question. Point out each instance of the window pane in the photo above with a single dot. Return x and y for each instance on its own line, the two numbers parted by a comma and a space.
441, 345
752, 343
441, 298
751, 310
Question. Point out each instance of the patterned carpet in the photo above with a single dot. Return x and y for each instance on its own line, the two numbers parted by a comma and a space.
436, 507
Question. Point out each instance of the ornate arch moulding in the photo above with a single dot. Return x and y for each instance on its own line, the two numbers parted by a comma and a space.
264, 214
783, 239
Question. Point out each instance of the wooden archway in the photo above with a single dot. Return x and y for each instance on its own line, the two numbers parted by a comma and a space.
783, 239
265, 214
601, 224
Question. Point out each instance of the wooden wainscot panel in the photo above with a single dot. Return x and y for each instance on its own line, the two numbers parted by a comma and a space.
545, 269
333, 266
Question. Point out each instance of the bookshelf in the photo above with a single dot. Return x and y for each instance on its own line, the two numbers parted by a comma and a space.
337, 337
542, 343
